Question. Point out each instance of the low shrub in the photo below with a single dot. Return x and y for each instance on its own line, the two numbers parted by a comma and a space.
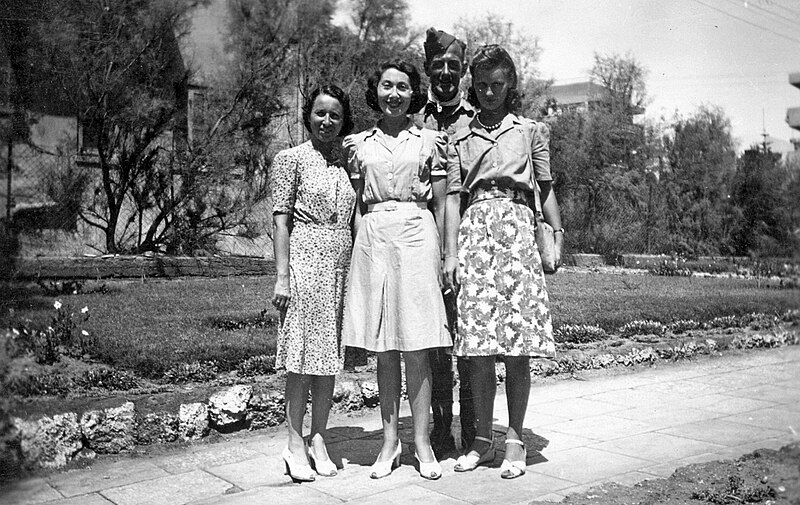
684, 325
672, 268
579, 334
61, 287
723, 322
640, 327
48, 384
191, 372
263, 320
257, 365
108, 378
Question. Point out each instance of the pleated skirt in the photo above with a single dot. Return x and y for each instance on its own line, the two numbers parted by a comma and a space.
394, 299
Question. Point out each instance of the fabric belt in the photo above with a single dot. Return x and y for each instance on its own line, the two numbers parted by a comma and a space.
391, 205
488, 192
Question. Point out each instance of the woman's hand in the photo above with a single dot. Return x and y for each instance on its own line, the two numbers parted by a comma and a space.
450, 273
559, 245
282, 295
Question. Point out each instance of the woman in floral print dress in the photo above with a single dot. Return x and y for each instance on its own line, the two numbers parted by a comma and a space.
313, 204
502, 299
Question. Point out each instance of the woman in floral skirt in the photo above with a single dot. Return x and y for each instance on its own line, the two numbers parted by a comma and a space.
502, 297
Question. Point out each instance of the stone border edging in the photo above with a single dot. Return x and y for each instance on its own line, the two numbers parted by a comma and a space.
52, 442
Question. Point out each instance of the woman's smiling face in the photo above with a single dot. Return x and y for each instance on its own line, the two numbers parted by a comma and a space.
394, 92
326, 119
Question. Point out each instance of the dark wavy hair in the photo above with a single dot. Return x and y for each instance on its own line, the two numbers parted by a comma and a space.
418, 98
334, 92
490, 57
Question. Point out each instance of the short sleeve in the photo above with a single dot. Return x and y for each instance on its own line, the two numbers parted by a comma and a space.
284, 183
350, 157
447, 163
540, 151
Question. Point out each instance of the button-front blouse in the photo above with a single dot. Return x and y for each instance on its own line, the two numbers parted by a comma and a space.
500, 158
403, 172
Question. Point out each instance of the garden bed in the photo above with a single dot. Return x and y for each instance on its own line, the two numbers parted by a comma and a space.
91, 372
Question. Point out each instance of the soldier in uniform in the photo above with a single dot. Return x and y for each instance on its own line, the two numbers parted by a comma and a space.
447, 110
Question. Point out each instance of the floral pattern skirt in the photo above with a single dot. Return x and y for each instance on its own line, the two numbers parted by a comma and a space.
309, 338
503, 301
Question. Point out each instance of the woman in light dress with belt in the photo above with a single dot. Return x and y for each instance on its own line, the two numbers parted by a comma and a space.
394, 303
313, 204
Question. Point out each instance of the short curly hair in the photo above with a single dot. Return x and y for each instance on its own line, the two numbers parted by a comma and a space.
418, 98
332, 91
490, 57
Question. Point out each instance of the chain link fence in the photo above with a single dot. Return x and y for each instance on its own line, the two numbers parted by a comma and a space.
44, 194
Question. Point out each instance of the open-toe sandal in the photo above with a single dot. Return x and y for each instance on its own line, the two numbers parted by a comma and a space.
513, 469
473, 459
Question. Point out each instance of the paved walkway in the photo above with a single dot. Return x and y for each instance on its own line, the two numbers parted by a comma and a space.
623, 428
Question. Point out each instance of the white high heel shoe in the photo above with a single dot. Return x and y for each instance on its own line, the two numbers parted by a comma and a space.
431, 470
324, 467
295, 470
381, 469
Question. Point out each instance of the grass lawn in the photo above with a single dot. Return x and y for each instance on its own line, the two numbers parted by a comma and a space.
147, 326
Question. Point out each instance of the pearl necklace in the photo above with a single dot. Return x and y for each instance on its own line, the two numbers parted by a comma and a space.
489, 127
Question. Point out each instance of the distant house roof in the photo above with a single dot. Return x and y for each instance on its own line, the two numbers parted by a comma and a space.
576, 93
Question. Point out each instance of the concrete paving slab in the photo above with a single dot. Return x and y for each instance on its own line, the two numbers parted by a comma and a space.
86, 499
579, 408
636, 397
104, 476
587, 464
36, 490
354, 482
411, 494
290, 494
685, 389
536, 417
721, 432
740, 450
727, 404
252, 473
603, 427
558, 441
656, 447
205, 456
173, 489
766, 392
664, 470
484, 486
550, 497
776, 418
734, 380
661, 417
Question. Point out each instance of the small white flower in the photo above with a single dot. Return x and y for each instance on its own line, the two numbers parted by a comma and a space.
57, 304
85, 310
84, 333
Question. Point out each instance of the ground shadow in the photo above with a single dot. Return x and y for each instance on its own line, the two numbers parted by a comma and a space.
360, 447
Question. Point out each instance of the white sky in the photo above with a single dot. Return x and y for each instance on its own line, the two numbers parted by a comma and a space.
696, 51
